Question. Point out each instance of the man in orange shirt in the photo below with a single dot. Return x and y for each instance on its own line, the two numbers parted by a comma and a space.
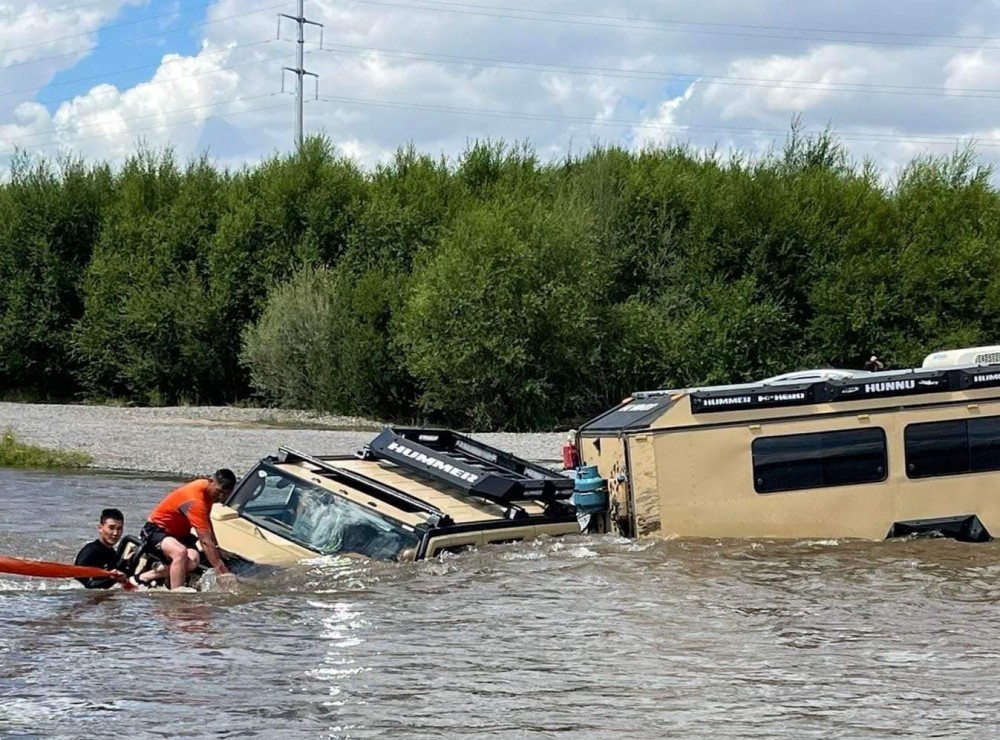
169, 527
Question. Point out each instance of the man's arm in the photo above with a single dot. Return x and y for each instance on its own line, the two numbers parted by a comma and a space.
211, 549
201, 521
102, 582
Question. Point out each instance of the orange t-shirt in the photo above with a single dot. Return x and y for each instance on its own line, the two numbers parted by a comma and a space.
184, 508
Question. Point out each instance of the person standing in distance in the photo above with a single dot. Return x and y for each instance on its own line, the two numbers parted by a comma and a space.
874, 364
168, 529
101, 552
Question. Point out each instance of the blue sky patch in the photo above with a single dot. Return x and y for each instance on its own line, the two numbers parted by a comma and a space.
130, 48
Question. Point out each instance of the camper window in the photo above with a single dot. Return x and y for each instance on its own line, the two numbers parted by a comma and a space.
820, 460
952, 447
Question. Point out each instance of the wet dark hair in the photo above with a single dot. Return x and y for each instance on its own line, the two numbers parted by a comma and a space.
112, 514
225, 477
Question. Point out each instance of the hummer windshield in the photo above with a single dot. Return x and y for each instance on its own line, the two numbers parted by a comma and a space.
318, 519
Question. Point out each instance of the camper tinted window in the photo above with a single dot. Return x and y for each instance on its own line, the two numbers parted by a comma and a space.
799, 461
952, 447
938, 448
984, 444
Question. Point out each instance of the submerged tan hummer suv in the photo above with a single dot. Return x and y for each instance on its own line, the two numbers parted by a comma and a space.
409, 494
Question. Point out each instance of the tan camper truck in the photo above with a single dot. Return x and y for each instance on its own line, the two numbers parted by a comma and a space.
816, 454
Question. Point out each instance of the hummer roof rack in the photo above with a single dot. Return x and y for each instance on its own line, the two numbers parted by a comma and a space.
400, 499
468, 466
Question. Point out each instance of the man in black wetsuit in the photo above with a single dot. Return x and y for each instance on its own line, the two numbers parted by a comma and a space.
101, 552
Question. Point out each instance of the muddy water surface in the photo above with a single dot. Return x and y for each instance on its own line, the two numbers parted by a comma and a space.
577, 637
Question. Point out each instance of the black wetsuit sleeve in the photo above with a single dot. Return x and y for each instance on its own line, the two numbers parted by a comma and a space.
96, 555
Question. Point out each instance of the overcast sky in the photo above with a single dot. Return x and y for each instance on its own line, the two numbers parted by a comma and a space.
894, 78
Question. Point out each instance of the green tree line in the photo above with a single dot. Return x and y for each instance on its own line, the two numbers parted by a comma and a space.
497, 291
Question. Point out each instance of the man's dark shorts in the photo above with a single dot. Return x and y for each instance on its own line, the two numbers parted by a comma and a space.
155, 536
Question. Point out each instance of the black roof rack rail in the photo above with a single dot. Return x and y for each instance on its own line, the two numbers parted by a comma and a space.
366, 484
469, 466
885, 384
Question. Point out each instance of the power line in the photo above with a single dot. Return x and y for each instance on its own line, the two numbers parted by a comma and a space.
153, 115
703, 24
106, 28
121, 70
634, 24
15, 148
53, 11
133, 39
618, 123
192, 75
716, 24
569, 18
982, 93
986, 93
506, 114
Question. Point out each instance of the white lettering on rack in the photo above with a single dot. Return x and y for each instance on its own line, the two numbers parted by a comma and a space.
639, 407
780, 397
890, 385
433, 462
731, 401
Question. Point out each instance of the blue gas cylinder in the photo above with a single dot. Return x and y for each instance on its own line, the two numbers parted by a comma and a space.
590, 493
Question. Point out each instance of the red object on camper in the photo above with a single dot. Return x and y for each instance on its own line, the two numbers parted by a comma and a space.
570, 457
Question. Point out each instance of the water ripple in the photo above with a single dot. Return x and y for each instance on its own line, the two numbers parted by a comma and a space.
572, 637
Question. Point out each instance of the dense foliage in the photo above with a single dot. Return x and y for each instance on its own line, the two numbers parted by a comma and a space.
497, 291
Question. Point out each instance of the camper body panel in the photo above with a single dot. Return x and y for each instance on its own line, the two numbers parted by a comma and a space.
644, 481
693, 475
707, 490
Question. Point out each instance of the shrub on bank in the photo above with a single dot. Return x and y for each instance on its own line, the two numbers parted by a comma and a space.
502, 324
16, 454
322, 343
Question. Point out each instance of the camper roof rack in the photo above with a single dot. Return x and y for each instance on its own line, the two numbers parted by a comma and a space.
888, 383
469, 466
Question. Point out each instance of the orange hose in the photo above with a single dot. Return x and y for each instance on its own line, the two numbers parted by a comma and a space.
44, 569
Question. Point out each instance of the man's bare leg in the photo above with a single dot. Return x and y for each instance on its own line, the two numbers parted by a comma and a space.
159, 572
193, 558
180, 561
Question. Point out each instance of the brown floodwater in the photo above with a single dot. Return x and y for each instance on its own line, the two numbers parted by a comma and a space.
572, 637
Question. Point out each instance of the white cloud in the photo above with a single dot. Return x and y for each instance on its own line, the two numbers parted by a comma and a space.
184, 90
51, 39
661, 124
972, 70
753, 76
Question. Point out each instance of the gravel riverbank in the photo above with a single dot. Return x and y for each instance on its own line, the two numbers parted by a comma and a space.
187, 441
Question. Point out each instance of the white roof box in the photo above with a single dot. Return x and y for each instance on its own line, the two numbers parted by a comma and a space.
812, 376
969, 356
